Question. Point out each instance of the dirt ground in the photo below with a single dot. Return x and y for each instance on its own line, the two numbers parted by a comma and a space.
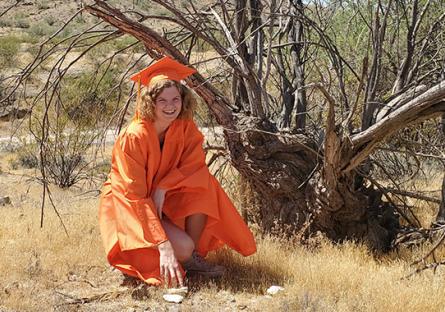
44, 269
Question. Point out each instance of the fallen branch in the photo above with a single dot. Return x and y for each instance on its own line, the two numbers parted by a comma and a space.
413, 195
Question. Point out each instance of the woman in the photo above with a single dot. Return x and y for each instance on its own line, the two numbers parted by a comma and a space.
161, 211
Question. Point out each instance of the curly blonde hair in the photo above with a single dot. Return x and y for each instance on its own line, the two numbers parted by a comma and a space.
146, 102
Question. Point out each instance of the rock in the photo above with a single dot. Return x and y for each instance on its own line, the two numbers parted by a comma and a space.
5, 200
273, 290
10, 288
173, 298
14, 113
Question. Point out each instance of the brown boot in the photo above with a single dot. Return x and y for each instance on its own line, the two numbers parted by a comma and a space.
198, 265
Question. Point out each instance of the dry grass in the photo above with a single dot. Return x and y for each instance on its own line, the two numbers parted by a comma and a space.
44, 269
429, 186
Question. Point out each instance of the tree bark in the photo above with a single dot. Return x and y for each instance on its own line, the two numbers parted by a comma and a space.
297, 35
241, 97
441, 213
294, 93
378, 33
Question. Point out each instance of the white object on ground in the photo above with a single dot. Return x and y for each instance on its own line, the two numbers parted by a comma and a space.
173, 298
273, 290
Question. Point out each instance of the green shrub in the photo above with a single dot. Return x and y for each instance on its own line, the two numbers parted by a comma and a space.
28, 160
22, 23
41, 29
19, 20
9, 47
87, 98
50, 20
13, 164
43, 4
24, 155
6, 22
125, 41
101, 169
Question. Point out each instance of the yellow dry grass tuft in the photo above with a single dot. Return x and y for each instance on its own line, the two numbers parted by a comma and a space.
43, 269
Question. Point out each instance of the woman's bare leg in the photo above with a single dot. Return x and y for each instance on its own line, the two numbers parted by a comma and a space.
182, 243
194, 225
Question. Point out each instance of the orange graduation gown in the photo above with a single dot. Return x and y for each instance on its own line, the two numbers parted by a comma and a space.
129, 225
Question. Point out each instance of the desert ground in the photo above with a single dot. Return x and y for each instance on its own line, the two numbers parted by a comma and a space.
46, 268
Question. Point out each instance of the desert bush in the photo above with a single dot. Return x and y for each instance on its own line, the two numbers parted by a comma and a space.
41, 29
13, 164
9, 47
64, 156
125, 41
65, 169
28, 160
101, 169
22, 155
5, 22
43, 4
51, 20
411, 152
19, 20
22, 23
89, 99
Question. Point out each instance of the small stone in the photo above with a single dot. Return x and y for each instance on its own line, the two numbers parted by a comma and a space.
173, 298
72, 277
10, 287
273, 290
5, 200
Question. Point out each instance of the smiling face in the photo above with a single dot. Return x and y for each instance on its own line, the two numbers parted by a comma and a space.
167, 105
154, 100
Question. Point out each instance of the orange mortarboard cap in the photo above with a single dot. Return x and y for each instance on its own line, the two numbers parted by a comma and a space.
165, 68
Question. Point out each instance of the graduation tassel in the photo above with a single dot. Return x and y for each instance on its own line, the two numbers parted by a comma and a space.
138, 101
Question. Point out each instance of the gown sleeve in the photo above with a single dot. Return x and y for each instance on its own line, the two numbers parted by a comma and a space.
191, 171
138, 225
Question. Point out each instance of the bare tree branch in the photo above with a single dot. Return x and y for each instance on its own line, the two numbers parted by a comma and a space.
427, 105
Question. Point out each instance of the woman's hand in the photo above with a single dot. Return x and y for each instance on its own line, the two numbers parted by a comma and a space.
158, 199
169, 266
